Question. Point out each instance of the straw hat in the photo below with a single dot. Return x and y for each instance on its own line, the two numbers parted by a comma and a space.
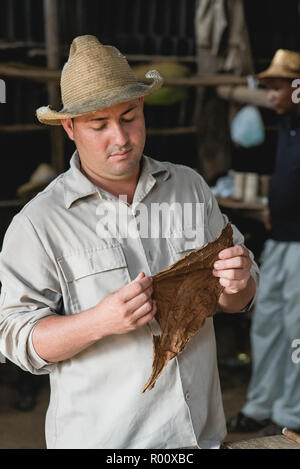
170, 94
95, 77
285, 64
39, 179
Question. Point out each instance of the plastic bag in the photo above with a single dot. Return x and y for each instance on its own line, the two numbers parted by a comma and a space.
247, 127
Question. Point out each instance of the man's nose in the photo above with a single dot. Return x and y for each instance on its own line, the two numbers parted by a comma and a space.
120, 135
271, 96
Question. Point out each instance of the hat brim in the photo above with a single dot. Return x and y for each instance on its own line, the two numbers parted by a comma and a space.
277, 72
32, 187
101, 100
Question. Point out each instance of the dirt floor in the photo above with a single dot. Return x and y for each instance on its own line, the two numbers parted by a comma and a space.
25, 430
19, 429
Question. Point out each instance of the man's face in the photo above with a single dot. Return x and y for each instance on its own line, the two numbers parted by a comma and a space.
110, 142
280, 94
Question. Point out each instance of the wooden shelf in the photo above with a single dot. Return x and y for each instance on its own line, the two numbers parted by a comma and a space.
21, 70
4, 45
17, 128
231, 202
24, 71
172, 131
12, 203
228, 86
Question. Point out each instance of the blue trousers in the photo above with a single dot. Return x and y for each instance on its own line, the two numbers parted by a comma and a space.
274, 390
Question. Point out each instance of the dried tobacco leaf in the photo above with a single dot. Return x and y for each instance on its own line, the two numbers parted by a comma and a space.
186, 294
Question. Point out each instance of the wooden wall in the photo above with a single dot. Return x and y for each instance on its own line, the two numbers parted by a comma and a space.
136, 27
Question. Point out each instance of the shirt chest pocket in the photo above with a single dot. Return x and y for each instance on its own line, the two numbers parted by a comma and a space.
93, 274
183, 241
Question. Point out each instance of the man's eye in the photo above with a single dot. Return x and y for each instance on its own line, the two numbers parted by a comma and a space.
127, 120
97, 129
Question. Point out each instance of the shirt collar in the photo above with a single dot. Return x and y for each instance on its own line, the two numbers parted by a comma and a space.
77, 185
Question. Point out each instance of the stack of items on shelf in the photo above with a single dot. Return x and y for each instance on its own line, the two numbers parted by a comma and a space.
251, 187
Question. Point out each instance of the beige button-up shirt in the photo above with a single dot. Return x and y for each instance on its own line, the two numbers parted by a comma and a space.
56, 259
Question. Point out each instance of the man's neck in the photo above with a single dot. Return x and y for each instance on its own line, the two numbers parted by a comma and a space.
117, 187
295, 110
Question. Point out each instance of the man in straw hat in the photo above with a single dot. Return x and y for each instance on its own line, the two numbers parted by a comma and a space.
273, 400
77, 296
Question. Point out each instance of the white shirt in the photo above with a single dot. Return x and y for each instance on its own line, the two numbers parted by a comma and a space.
53, 261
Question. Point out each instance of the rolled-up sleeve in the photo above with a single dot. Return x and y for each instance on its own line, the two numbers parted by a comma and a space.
30, 291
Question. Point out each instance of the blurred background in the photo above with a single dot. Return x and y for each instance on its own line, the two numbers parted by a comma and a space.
208, 52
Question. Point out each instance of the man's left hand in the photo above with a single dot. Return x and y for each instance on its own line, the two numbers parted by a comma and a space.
233, 268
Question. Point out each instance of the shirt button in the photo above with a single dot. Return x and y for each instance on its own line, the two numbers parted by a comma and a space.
187, 396
293, 133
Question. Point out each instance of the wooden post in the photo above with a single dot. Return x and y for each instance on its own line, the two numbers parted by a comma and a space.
53, 62
211, 114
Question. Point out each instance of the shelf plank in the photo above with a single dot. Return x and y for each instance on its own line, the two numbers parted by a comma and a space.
172, 131
21, 70
17, 128
12, 203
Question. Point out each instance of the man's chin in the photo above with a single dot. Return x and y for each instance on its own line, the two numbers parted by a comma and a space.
124, 165
280, 111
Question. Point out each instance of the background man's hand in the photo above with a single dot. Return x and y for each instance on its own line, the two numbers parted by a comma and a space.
233, 268
128, 308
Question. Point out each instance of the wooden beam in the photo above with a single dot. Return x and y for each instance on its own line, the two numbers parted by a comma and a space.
16, 128
19, 70
160, 58
172, 131
207, 79
12, 203
51, 33
130, 57
19, 44
53, 62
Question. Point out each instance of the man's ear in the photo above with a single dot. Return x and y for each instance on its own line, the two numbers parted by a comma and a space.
69, 127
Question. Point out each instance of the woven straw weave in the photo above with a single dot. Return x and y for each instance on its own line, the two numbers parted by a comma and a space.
96, 77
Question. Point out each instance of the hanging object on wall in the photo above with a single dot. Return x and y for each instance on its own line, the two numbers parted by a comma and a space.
247, 127
166, 95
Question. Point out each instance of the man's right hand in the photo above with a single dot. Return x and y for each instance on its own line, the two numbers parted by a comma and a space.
56, 338
127, 308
